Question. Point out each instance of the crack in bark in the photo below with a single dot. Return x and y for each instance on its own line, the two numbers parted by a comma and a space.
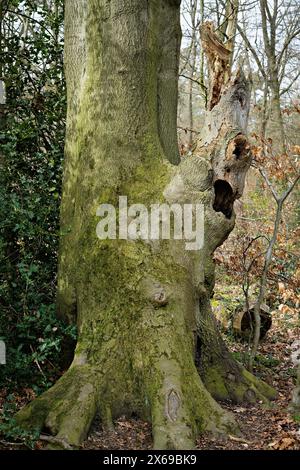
173, 403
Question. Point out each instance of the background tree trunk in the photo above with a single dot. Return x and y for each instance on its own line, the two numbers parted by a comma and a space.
142, 307
193, 57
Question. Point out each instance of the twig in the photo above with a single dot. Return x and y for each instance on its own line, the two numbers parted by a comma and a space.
19, 13
238, 439
6, 443
38, 364
271, 187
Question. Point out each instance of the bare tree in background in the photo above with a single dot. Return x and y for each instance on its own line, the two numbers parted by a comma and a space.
277, 31
193, 56
280, 199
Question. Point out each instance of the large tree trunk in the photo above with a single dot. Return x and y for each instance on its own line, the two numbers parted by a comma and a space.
142, 307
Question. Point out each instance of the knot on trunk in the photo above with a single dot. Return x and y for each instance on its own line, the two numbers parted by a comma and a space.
160, 298
231, 377
156, 294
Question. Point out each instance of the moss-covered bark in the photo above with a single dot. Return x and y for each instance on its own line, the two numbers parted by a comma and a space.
223, 376
140, 305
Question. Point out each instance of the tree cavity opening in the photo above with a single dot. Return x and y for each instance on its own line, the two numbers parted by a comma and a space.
240, 147
224, 198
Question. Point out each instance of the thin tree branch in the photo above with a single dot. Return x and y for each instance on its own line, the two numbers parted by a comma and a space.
253, 51
192, 79
290, 189
273, 191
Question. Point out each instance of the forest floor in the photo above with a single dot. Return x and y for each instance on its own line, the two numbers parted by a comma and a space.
270, 428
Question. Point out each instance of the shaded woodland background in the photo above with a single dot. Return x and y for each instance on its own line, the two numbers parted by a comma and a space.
32, 126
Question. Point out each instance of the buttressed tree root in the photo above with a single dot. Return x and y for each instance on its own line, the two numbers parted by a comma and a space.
147, 341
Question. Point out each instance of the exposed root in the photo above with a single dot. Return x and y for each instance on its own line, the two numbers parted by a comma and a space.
181, 405
183, 409
171, 435
67, 409
224, 377
237, 385
171, 426
61, 443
